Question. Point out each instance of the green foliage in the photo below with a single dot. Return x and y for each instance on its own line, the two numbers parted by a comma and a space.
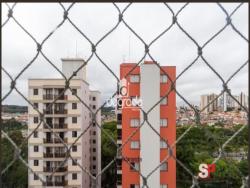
197, 147
17, 174
108, 154
12, 125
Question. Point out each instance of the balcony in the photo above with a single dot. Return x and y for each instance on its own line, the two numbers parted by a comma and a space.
60, 141
47, 140
60, 155
60, 126
47, 111
46, 127
48, 97
61, 97
55, 183
61, 111
48, 155
56, 169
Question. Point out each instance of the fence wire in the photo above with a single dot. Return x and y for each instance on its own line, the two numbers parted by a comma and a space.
94, 52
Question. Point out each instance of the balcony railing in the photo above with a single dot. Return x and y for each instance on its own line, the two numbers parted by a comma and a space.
55, 183
48, 97
48, 155
60, 126
56, 169
61, 111
61, 97
55, 155
57, 140
46, 126
60, 155
48, 111
48, 140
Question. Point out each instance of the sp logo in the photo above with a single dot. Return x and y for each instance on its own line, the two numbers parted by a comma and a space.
205, 170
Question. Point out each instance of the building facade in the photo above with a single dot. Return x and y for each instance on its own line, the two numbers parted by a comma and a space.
66, 119
209, 102
145, 150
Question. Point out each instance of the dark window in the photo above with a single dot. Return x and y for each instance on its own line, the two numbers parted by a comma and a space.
35, 105
94, 107
134, 186
35, 120
93, 124
74, 176
94, 167
35, 134
94, 150
74, 91
36, 162
94, 141
74, 162
94, 98
35, 91
74, 133
94, 158
74, 105
94, 133
36, 149
74, 148
35, 177
74, 119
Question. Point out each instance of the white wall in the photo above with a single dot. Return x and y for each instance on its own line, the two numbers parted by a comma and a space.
149, 140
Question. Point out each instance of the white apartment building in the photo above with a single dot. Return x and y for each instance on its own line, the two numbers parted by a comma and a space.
67, 119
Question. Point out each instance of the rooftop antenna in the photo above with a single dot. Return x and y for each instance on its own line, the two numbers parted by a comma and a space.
129, 48
76, 48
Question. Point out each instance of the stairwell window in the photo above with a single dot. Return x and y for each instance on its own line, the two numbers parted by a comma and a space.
134, 122
134, 144
164, 166
163, 101
163, 78
163, 186
163, 144
134, 78
163, 122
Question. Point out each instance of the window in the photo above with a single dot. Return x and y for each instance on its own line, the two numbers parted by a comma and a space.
134, 123
94, 158
74, 176
74, 119
134, 78
163, 144
134, 145
35, 134
35, 119
94, 150
74, 91
94, 107
164, 101
94, 133
135, 101
35, 91
93, 124
163, 78
135, 165
74, 106
163, 122
94, 166
35, 105
163, 186
94, 98
36, 162
74, 134
94, 141
36, 148
35, 177
74, 148
134, 186
164, 167
74, 162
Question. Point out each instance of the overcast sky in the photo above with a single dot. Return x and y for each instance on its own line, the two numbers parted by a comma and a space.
226, 52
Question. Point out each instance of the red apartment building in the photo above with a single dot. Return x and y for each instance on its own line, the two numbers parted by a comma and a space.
145, 150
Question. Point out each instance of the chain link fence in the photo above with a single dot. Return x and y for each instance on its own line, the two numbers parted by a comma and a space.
94, 46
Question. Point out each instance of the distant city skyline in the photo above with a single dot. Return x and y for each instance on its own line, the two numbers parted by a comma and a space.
226, 52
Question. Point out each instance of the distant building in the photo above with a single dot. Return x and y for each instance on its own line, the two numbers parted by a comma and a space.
68, 118
205, 103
